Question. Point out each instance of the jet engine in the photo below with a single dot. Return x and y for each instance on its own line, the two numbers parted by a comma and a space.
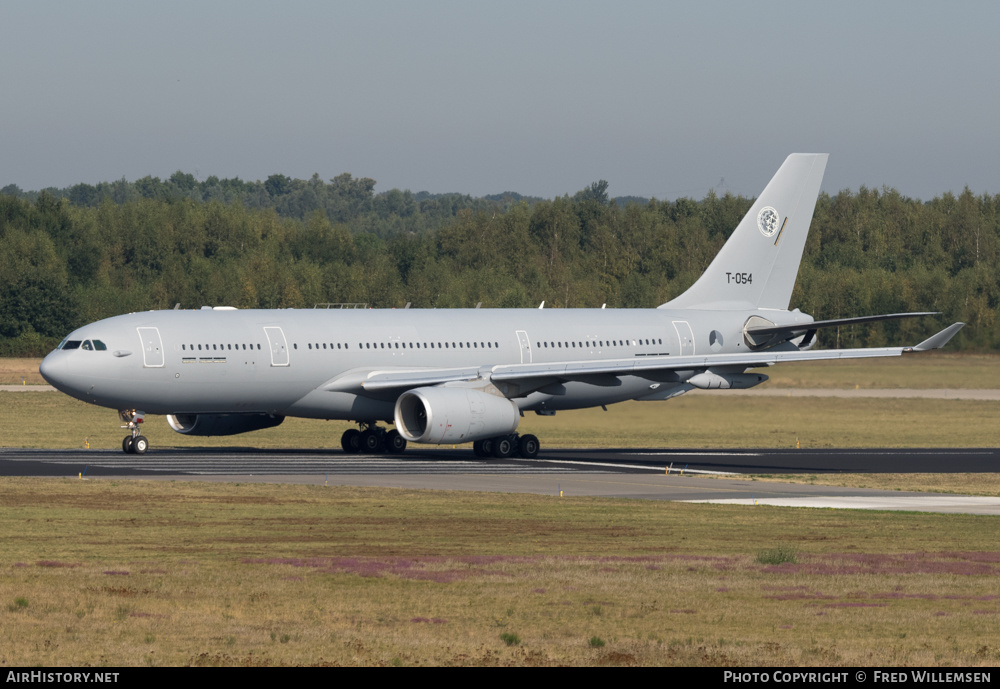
453, 415
221, 424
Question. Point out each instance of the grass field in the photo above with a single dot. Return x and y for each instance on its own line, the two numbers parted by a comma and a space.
18, 371
108, 572
691, 421
161, 573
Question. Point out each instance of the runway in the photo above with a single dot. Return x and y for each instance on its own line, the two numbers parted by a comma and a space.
675, 475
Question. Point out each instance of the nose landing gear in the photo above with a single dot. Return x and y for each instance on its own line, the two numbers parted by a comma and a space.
135, 443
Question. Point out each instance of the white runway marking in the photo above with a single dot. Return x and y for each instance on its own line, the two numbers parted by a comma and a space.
907, 503
643, 467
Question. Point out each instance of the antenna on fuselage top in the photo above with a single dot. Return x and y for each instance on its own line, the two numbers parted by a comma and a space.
542, 305
177, 306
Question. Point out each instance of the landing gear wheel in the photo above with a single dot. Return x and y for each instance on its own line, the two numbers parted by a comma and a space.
477, 449
394, 443
503, 447
371, 442
529, 446
140, 445
127, 445
351, 441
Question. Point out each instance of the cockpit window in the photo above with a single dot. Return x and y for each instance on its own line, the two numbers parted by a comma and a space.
71, 344
86, 345
100, 346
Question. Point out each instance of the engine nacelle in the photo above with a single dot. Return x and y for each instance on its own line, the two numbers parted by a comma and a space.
221, 424
453, 415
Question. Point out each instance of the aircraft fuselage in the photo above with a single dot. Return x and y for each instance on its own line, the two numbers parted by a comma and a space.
280, 361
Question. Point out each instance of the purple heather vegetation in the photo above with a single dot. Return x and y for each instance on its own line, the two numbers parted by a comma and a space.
54, 563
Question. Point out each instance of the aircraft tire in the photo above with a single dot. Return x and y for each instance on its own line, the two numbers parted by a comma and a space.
477, 449
503, 447
371, 442
351, 441
394, 443
140, 445
486, 447
127, 445
529, 446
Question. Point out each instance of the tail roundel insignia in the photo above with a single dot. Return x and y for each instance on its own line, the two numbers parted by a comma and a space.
767, 221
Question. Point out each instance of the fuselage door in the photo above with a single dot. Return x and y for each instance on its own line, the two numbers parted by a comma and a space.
685, 337
279, 346
522, 338
152, 347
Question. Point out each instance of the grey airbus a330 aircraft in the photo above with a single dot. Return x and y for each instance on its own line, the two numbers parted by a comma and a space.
465, 375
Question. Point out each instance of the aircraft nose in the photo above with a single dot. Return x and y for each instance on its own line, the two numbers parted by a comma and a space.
53, 370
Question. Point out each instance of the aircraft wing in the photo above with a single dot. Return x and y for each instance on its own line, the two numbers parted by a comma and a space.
639, 366
382, 381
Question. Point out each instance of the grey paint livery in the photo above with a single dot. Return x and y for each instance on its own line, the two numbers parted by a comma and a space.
465, 374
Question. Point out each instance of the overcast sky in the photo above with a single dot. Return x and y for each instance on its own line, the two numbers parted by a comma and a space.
661, 99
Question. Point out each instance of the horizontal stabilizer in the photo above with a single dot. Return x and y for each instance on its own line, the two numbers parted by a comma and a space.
760, 334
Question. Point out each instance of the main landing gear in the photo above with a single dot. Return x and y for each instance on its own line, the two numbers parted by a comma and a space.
504, 446
135, 443
372, 439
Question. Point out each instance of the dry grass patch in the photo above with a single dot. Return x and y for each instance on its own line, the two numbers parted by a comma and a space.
172, 573
18, 371
932, 370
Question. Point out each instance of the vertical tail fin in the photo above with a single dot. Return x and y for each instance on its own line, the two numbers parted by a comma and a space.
757, 266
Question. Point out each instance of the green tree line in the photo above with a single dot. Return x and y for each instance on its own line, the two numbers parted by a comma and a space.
71, 259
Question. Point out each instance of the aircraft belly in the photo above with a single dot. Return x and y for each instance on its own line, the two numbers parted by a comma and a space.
320, 404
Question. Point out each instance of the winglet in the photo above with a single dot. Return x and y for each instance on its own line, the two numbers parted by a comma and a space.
937, 341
